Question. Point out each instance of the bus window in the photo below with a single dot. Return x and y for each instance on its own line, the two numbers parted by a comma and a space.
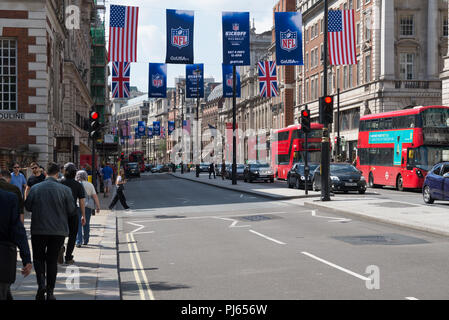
281, 136
282, 159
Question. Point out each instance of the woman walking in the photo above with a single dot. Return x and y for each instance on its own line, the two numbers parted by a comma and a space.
92, 203
120, 182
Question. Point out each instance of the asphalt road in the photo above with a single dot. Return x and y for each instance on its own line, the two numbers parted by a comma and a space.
189, 241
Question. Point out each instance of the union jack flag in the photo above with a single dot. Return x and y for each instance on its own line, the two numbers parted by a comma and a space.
268, 79
120, 79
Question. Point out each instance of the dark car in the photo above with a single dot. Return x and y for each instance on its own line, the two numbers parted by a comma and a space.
148, 167
157, 169
239, 171
257, 172
132, 169
204, 167
296, 177
343, 177
436, 184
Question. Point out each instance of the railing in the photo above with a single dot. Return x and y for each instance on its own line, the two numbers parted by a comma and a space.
409, 84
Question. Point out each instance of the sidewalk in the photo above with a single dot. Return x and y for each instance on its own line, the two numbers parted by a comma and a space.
96, 265
276, 191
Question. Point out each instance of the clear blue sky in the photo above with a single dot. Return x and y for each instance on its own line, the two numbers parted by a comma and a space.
207, 38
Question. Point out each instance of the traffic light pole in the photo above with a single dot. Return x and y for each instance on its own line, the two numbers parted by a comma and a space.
325, 144
94, 170
338, 124
306, 160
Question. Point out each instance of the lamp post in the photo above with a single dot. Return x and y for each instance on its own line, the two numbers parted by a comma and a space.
182, 129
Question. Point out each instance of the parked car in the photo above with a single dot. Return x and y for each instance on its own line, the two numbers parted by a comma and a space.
148, 167
296, 177
239, 171
204, 167
258, 171
132, 170
160, 168
343, 177
436, 184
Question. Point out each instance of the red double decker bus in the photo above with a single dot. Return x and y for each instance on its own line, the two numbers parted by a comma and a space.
287, 148
398, 148
138, 156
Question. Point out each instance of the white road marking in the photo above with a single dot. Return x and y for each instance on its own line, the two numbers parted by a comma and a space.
234, 222
136, 273
411, 298
146, 232
337, 267
268, 238
333, 218
139, 261
137, 225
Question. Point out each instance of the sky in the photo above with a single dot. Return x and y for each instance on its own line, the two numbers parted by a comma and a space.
151, 36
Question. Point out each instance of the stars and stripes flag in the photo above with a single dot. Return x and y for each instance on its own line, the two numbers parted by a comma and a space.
268, 79
123, 33
341, 34
120, 79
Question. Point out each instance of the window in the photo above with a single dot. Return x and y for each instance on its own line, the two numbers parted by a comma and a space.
350, 5
345, 77
306, 63
358, 4
406, 27
367, 69
406, 66
445, 27
358, 34
368, 28
350, 76
376, 156
8, 74
358, 72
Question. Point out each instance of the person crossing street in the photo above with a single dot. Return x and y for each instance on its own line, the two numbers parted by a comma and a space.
120, 182
212, 170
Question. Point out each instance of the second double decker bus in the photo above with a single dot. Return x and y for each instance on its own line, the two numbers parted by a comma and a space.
287, 148
398, 148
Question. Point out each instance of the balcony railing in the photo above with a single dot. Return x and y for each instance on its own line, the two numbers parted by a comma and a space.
409, 84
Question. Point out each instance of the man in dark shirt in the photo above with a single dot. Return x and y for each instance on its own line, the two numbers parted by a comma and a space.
5, 184
12, 231
35, 178
79, 196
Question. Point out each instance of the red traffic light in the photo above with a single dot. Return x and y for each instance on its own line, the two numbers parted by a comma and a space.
305, 113
94, 115
328, 99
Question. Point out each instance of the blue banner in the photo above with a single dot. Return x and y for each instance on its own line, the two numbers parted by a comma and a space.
235, 27
141, 128
150, 132
228, 81
179, 36
157, 82
288, 29
194, 80
171, 127
156, 128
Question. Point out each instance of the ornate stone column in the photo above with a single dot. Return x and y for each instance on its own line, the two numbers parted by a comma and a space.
387, 40
432, 39
445, 80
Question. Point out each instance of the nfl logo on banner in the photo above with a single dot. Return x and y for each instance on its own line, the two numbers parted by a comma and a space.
180, 37
229, 79
288, 40
235, 26
157, 81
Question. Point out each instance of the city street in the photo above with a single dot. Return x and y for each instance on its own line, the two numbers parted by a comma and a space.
185, 240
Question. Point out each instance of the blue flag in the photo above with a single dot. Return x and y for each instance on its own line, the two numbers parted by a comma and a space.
136, 133
235, 27
179, 36
288, 27
157, 81
141, 128
171, 127
194, 80
150, 132
156, 128
228, 81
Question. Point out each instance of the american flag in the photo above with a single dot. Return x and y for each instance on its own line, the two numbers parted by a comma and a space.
123, 33
342, 47
267, 79
120, 79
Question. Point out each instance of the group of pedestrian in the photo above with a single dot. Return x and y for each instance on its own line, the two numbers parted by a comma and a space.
61, 207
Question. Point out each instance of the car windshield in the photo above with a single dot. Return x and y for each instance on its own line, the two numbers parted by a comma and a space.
132, 165
260, 165
300, 168
426, 157
342, 168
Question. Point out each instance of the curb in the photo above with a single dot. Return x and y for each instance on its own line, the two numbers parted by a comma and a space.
378, 219
271, 197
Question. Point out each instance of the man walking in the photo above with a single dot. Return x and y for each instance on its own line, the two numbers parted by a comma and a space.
223, 170
12, 234
51, 204
18, 179
5, 185
37, 177
212, 169
107, 173
79, 196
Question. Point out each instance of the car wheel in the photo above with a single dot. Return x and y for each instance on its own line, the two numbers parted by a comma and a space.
297, 184
272, 180
362, 191
426, 195
314, 187
288, 183
244, 179
371, 181
400, 183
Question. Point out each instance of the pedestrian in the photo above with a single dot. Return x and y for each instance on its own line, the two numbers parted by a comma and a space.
12, 235
197, 167
212, 169
52, 205
107, 173
92, 204
119, 195
37, 177
5, 185
18, 179
223, 170
79, 196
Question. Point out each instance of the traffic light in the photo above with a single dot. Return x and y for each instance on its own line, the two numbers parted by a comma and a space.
122, 156
326, 110
337, 141
305, 121
95, 125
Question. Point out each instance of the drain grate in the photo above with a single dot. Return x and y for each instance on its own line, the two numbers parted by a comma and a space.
394, 205
169, 217
385, 239
256, 218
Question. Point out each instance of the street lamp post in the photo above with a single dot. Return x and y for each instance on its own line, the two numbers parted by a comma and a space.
234, 140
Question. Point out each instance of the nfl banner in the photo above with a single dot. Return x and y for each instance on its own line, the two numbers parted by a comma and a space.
150, 132
227, 81
171, 127
179, 36
235, 27
195, 80
157, 87
141, 129
186, 125
156, 128
136, 133
288, 27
